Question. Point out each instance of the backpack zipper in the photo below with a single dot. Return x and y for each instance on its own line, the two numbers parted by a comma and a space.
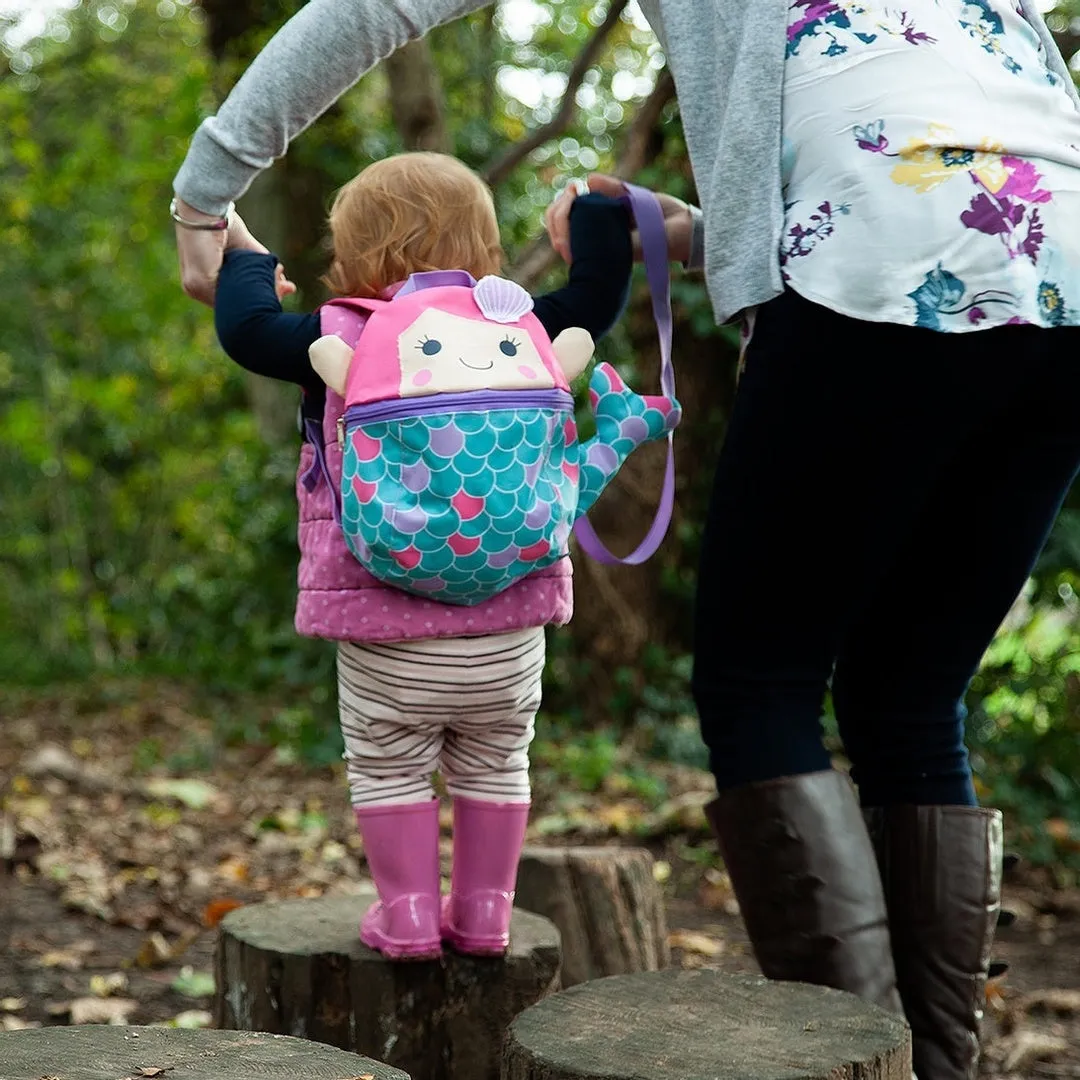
433, 404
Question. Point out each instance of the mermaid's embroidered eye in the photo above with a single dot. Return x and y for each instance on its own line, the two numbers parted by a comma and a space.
430, 346
508, 346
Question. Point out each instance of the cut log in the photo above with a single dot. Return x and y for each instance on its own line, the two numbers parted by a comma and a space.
704, 1025
104, 1052
298, 967
606, 904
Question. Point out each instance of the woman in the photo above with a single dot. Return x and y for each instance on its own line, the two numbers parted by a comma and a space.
886, 198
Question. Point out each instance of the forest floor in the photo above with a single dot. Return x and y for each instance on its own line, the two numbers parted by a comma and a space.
127, 831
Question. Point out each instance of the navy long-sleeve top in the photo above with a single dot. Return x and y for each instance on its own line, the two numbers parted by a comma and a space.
261, 337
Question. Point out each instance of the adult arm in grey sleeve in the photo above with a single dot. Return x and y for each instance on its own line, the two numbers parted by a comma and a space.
310, 62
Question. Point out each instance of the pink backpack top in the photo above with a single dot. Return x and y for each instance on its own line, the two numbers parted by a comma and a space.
338, 600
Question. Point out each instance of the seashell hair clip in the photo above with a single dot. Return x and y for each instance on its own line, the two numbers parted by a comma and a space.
500, 300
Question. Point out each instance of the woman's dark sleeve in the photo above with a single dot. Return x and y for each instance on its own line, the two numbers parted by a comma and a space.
252, 328
599, 281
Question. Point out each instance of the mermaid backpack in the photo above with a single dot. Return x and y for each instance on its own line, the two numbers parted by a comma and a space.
462, 471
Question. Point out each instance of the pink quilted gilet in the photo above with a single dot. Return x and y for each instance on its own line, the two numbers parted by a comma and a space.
339, 600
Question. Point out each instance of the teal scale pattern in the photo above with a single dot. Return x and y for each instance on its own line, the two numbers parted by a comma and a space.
459, 506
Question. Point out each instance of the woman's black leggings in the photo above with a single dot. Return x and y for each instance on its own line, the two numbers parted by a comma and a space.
882, 495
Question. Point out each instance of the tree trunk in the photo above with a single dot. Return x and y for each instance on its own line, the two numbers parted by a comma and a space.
702, 1025
605, 903
283, 207
109, 1052
416, 97
265, 210
298, 966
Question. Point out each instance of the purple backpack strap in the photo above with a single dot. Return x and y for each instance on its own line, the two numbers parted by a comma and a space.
649, 218
313, 430
319, 468
434, 279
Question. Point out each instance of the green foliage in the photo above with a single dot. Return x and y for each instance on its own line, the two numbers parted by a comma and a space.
149, 522
1025, 723
605, 759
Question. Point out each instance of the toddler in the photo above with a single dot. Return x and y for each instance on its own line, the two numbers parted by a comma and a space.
422, 685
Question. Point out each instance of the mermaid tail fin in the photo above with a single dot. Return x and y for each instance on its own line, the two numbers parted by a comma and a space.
624, 420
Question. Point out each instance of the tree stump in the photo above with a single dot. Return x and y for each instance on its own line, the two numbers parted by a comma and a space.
104, 1052
298, 967
704, 1025
606, 904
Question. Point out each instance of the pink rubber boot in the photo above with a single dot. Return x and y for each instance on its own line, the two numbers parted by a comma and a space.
402, 848
487, 846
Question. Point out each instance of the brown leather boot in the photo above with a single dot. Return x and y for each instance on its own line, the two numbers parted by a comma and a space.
941, 868
807, 883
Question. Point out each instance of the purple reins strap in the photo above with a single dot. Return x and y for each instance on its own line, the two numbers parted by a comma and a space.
319, 468
649, 217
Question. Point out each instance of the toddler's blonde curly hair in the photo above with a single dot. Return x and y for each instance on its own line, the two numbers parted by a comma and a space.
407, 214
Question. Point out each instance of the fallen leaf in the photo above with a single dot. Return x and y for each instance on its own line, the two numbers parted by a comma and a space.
1059, 1002
995, 998
234, 868
695, 943
92, 1010
52, 760
83, 748
192, 1018
154, 951
1059, 829
181, 945
7, 836
1025, 1047
12, 1004
661, 871
107, 985
333, 852
194, 794
192, 983
684, 812
139, 916
621, 817
163, 817
71, 959
716, 893
216, 910
153, 1070
36, 807
553, 825
13, 1023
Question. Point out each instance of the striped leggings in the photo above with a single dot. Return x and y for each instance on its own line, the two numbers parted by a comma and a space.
465, 706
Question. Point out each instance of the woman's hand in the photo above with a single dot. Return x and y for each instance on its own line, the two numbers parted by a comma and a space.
678, 223
202, 250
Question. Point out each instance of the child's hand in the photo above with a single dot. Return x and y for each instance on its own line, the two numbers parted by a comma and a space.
678, 221
282, 285
201, 251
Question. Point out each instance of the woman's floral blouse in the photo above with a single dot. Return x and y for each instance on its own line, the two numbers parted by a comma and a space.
931, 165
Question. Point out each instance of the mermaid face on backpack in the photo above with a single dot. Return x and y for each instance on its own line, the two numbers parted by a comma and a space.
442, 353
444, 333
462, 471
